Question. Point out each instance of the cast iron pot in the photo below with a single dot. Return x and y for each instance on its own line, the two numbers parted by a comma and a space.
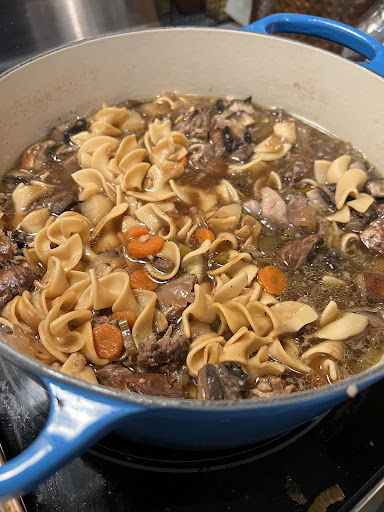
345, 98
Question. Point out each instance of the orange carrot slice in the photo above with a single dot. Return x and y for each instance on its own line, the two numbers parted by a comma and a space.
273, 280
108, 341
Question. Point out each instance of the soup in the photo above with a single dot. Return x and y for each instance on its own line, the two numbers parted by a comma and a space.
194, 247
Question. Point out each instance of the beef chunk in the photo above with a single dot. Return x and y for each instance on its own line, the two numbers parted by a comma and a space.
375, 188
223, 381
170, 348
163, 265
371, 285
270, 385
196, 123
295, 171
37, 154
119, 377
295, 253
100, 319
175, 296
13, 281
20, 239
273, 207
205, 159
373, 235
56, 203
299, 213
63, 132
358, 220
7, 248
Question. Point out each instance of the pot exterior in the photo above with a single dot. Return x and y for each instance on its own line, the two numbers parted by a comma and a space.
323, 88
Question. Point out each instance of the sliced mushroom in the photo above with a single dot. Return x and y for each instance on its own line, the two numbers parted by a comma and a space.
16, 176
223, 381
322, 200
56, 203
63, 132
241, 106
37, 154
375, 187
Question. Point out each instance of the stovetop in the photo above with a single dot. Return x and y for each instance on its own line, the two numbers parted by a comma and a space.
344, 447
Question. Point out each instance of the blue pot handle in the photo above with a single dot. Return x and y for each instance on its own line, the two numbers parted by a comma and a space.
325, 29
75, 422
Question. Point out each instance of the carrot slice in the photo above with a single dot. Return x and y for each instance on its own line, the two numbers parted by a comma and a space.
203, 234
108, 341
129, 316
273, 280
149, 247
141, 280
183, 161
136, 232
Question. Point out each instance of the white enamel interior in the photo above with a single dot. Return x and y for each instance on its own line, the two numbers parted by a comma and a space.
315, 85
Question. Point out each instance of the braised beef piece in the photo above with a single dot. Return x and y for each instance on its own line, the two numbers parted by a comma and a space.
270, 386
67, 157
36, 155
119, 377
98, 320
295, 253
322, 200
299, 213
285, 129
175, 296
375, 187
216, 138
56, 202
20, 239
196, 123
223, 381
373, 235
205, 159
170, 348
8, 249
163, 265
371, 285
14, 281
273, 207
63, 132
294, 170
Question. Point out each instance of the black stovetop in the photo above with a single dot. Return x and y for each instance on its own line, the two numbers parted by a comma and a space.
344, 447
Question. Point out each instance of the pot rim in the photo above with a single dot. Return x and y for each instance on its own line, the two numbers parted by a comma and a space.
239, 33
41, 369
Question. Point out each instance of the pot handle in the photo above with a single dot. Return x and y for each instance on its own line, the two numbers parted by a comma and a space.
75, 422
324, 28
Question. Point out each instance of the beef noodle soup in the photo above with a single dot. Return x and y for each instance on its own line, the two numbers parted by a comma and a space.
194, 247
